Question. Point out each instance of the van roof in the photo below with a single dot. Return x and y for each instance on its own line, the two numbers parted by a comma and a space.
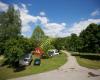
52, 49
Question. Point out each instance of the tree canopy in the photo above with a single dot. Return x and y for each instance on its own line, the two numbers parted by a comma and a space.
10, 26
91, 38
38, 35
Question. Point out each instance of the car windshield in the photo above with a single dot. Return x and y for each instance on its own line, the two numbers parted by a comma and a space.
27, 56
51, 51
25, 59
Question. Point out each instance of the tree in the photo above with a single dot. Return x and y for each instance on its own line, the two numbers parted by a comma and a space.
38, 35
59, 43
91, 38
10, 26
10, 23
73, 43
15, 48
46, 45
13, 51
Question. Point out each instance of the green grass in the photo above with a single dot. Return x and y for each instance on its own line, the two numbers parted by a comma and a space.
89, 63
89, 60
46, 65
1, 59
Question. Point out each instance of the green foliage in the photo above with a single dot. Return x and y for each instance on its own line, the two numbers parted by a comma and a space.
16, 47
38, 35
26, 44
10, 26
46, 45
13, 54
59, 43
91, 38
74, 43
10, 23
13, 51
71, 43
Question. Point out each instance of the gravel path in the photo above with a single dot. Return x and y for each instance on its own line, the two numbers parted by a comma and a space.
69, 71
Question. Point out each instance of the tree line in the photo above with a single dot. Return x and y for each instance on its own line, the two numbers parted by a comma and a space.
87, 41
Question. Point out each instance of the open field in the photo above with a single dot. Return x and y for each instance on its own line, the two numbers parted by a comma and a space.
46, 65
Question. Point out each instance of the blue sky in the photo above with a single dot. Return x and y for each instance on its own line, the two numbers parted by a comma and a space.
56, 17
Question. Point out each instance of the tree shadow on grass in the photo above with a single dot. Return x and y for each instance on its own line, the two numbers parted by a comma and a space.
15, 66
20, 68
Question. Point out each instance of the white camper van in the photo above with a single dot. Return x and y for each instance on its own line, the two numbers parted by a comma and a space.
53, 52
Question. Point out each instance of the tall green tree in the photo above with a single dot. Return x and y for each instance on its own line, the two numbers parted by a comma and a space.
91, 38
38, 35
59, 43
73, 42
10, 26
10, 23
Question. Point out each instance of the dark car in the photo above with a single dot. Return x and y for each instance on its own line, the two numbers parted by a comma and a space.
37, 61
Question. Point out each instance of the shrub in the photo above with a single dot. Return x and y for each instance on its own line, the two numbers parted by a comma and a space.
13, 54
13, 51
15, 48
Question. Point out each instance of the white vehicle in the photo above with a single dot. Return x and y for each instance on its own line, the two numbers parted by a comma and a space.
26, 59
53, 52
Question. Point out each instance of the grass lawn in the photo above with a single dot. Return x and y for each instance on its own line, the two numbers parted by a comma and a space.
46, 65
89, 63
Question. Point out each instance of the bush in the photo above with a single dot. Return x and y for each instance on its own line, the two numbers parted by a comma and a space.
91, 56
13, 51
15, 48
13, 54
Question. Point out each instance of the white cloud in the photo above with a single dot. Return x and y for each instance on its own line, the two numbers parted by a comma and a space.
54, 29
25, 17
64, 24
76, 28
95, 13
3, 6
43, 20
79, 26
23, 5
42, 13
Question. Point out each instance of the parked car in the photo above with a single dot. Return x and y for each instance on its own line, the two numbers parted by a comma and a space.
26, 59
53, 52
37, 61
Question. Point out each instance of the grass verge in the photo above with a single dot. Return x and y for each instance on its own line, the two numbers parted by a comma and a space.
89, 63
46, 65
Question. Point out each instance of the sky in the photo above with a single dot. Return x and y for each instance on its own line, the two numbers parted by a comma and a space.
57, 18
